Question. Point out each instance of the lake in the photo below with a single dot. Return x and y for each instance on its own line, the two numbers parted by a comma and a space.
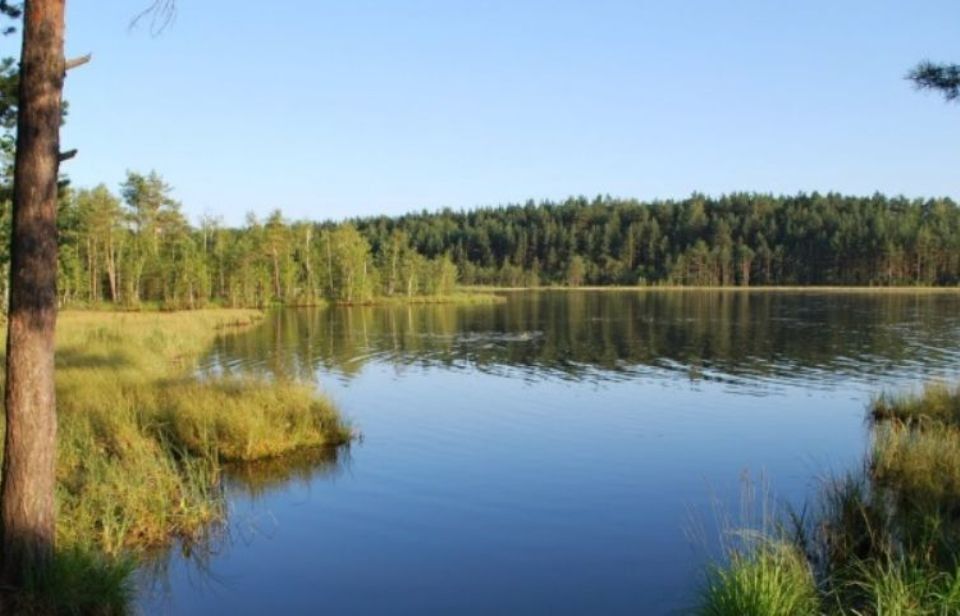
563, 452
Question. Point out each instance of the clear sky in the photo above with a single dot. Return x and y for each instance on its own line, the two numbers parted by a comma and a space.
333, 109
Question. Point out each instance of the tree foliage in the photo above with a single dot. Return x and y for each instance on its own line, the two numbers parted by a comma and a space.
943, 78
738, 239
141, 249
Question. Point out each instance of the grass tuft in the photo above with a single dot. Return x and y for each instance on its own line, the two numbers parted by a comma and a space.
904, 587
239, 419
773, 578
921, 465
937, 403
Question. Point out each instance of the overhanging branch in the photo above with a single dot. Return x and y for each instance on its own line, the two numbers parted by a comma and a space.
75, 62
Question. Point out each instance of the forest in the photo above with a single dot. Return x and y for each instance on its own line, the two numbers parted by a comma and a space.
740, 239
137, 247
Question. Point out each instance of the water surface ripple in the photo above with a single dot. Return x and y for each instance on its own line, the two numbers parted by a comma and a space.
554, 453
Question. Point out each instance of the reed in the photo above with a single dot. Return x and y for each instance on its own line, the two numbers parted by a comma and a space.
772, 578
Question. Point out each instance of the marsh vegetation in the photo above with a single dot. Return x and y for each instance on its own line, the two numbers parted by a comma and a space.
882, 541
143, 441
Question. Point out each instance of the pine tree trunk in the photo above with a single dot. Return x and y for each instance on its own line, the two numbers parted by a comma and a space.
30, 443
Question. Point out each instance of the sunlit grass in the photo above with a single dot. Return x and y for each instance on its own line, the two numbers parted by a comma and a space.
886, 541
937, 402
772, 578
142, 440
239, 419
903, 587
921, 464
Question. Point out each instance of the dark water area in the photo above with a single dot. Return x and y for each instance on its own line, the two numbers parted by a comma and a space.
562, 452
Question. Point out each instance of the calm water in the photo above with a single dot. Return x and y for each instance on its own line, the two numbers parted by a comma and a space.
559, 453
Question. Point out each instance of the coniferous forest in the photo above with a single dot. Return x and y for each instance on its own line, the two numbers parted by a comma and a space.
137, 247
739, 239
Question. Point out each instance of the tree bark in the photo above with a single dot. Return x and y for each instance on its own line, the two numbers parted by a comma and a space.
29, 472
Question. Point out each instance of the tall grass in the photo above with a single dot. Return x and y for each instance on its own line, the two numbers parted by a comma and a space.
772, 578
78, 582
938, 402
921, 465
884, 541
904, 587
143, 439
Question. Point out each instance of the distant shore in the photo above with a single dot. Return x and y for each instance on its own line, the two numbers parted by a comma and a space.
734, 289
463, 296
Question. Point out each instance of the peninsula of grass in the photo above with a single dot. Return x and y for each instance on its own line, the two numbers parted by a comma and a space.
883, 541
143, 439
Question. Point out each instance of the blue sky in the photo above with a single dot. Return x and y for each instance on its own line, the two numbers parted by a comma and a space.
333, 109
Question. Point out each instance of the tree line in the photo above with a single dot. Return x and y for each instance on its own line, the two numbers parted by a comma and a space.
739, 239
137, 247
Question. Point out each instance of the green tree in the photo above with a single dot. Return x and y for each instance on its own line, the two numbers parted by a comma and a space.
576, 271
100, 238
351, 268
156, 224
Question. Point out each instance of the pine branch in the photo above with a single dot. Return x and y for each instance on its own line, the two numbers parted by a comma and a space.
944, 78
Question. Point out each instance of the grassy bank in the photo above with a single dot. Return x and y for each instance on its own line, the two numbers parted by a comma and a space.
464, 296
883, 541
143, 440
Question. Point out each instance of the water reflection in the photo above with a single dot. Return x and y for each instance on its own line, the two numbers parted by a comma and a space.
544, 455
257, 479
736, 337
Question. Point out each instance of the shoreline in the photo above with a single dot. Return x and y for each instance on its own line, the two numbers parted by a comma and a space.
143, 440
724, 289
460, 297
